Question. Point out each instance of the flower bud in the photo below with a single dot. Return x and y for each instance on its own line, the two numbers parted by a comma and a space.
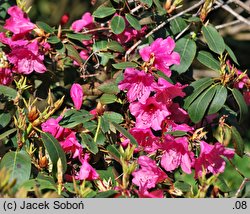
33, 114
64, 19
76, 94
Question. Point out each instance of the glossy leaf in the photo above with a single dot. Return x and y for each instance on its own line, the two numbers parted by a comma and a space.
102, 12
45, 27
214, 39
54, 150
231, 54
32, 184
187, 50
198, 87
243, 109
124, 65
74, 117
88, 141
208, 60
133, 21
238, 142
115, 46
7, 133
5, 119
114, 152
19, 165
147, 2
73, 54
78, 36
109, 88
113, 117
108, 98
100, 46
117, 24
125, 133
177, 25
198, 108
219, 99
53, 40
8, 92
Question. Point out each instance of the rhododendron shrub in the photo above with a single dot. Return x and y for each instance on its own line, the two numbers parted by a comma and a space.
109, 106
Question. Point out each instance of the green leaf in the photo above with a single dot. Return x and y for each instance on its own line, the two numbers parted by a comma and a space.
106, 194
7, 133
109, 88
125, 133
104, 125
100, 46
5, 119
177, 133
219, 99
187, 50
238, 142
124, 65
114, 152
199, 86
222, 184
117, 24
147, 2
54, 150
133, 21
214, 39
41, 184
45, 27
198, 108
53, 40
19, 165
177, 25
102, 12
74, 117
208, 60
79, 37
241, 103
108, 98
60, 48
88, 141
73, 54
115, 46
183, 186
113, 117
107, 174
231, 54
8, 92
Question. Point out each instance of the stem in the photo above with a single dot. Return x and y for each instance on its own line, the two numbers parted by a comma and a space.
97, 129
241, 187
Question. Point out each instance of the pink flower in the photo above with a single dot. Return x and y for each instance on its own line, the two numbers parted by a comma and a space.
18, 23
177, 154
52, 126
76, 94
138, 83
129, 34
26, 58
86, 21
87, 172
151, 114
210, 158
71, 145
149, 174
161, 54
145, 139
246, 95
5, 76
144, 193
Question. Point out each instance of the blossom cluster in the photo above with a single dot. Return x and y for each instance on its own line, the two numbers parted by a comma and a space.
153, 105
24, 54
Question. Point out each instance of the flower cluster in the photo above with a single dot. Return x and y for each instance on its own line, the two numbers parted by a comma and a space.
152, 103
23, 55
69, 143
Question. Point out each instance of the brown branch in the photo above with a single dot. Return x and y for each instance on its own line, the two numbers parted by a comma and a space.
227, 24
231, 11
241, 187
131, 49
242, 5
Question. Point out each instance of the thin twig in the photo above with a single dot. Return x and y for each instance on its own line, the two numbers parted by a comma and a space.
231, 11
242, 5
241, 187
227, 24
136, 8
162, 25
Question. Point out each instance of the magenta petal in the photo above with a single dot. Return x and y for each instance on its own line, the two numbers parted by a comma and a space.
76, 94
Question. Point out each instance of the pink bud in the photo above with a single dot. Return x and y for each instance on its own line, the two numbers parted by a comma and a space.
76, 94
